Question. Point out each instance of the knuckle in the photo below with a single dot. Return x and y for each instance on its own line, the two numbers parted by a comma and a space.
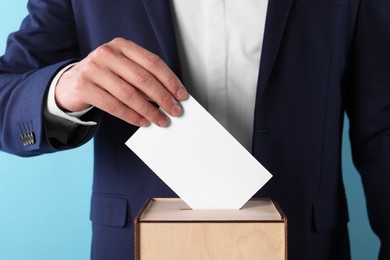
173, 83
131, 116
166, 100
122, 112
85, 73
127, 93
117, 40
112, 107
151, 113
128, 115
153, 59
87, 66
142, 76
103, 52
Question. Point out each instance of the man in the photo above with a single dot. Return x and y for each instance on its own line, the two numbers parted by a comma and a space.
106, 60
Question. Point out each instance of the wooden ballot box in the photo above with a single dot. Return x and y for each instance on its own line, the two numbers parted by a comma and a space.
167, 229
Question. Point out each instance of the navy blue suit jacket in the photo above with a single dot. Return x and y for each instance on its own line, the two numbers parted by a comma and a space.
320, 58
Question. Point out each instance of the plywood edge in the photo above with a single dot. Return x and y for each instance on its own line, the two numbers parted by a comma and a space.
175, 210
284, 218
286, 238
278, 209
137, 218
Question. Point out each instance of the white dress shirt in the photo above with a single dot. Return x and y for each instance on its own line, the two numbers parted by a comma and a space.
220, 43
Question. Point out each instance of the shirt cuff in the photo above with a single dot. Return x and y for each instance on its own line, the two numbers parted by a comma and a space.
53, 109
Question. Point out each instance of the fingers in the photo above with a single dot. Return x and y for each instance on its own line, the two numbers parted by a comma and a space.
123, 100
155, 65
149, 74
106, 102
146, 83
119, 77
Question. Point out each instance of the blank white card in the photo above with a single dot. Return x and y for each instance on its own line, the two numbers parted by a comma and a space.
199, 160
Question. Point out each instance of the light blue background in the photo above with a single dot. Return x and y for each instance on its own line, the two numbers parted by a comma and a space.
44, 201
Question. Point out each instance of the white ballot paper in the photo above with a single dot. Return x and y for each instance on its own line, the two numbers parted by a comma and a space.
199, 160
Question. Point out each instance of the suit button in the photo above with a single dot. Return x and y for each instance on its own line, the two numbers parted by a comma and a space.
263, 131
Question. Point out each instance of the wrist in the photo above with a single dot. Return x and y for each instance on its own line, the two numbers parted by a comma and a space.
53, 109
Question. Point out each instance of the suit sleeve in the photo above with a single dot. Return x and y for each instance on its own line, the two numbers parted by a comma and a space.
44, 44
368, 108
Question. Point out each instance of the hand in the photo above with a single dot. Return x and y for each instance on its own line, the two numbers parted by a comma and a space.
119, 77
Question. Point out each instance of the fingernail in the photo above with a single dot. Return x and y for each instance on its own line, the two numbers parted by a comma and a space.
143, 122
181, 93
176, 110
162, 122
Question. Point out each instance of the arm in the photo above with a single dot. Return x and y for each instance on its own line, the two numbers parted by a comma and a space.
368, 108
34, 55
118, 77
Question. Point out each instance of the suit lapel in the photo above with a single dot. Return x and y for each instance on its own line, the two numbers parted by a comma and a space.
277, 15
160, 18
